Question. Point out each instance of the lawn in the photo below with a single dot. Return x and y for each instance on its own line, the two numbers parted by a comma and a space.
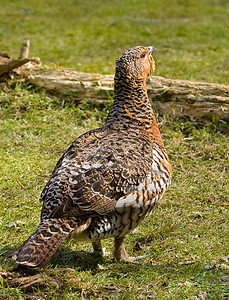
191, 36
186, 236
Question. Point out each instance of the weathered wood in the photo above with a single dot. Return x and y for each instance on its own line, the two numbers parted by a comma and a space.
197, 101
12, 64
8, 64
4, 54
24, 53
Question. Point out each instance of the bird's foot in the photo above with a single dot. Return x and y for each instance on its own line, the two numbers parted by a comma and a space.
98, 250
101, 252
120, 252
134, 258
123, 256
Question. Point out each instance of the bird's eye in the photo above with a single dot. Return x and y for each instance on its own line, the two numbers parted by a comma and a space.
142, 55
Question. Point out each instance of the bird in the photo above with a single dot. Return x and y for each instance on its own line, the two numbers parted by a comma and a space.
110, 178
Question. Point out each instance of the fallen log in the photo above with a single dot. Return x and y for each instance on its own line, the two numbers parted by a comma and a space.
197, 101
8, 64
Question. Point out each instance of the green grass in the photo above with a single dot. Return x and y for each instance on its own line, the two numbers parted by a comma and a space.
185, 237
191, 36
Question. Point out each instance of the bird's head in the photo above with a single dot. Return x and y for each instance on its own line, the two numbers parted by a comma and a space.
137, 62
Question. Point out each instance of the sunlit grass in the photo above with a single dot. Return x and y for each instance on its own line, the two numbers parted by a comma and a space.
191, 36
185, 237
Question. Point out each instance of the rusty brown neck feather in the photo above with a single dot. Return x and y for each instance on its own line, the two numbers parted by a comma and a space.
131, 105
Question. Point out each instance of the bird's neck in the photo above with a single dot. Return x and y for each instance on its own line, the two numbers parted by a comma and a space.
131, 107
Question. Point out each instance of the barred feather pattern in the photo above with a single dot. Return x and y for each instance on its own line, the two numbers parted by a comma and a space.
110, 178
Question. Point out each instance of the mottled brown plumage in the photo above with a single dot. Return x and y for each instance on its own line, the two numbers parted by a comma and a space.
110, 178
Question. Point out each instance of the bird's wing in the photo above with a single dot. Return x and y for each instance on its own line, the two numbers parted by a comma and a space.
95, 172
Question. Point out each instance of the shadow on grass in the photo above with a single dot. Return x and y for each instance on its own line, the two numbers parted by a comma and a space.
64, 257
65, 268
81, 260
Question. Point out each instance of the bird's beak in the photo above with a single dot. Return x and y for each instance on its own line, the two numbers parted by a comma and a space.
152, 63
151, 49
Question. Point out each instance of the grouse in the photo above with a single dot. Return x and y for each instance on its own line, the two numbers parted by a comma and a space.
110, 178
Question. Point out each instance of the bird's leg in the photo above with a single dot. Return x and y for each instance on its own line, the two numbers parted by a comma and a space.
98, 250
120, 251
97, 246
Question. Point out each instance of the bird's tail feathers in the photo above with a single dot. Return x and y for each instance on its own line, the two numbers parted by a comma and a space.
43, 243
